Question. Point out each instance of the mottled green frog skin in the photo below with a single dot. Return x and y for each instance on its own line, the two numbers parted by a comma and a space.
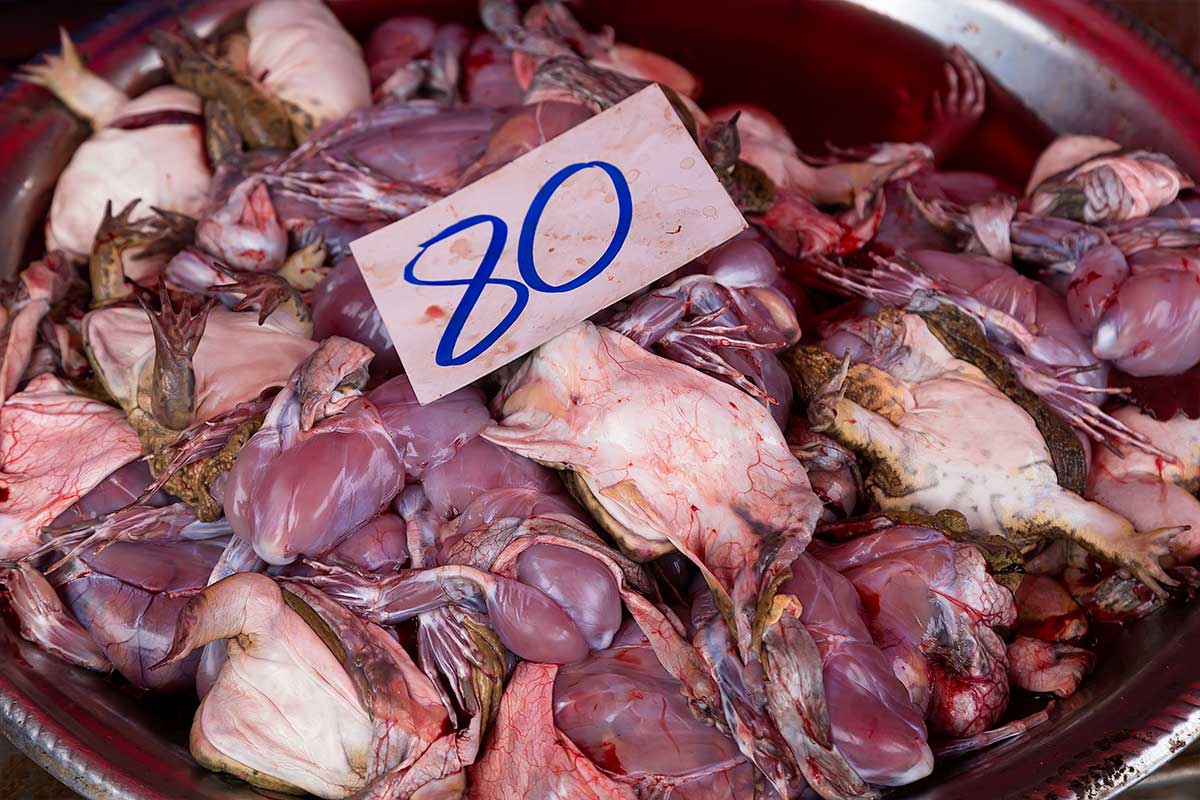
261, 119
161, 233
945, 437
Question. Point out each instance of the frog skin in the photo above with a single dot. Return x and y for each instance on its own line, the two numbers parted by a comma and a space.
938, 434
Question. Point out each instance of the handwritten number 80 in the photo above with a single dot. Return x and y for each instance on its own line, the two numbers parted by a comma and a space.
530, 278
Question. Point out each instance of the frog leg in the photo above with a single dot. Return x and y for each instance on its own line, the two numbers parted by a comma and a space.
115, 234
1061, 514
221, 136
304, 268
260, 117
177, 334
167, 232
896, 470
80, 89
267, 292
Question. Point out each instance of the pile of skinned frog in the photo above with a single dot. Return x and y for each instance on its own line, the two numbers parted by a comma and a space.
939, 440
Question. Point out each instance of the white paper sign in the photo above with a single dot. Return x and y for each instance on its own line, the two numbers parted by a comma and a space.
501, 266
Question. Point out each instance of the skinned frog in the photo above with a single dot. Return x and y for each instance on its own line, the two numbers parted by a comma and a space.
666, 458
938, 434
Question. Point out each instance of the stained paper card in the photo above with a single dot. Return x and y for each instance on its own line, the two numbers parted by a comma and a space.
496, 269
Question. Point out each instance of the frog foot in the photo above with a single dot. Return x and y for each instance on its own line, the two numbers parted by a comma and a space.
81, 90
889, 283
167, 232
1142, 555
353, 191
1071, 400
699, 342
132, 523
120, 230
822, 411
177, 334
461, 656
350, 587
163, 233
264, 291
957, 111
117, 233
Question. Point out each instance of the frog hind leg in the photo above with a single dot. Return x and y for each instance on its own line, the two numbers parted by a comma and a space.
221, 136
265, 292
1061, 514
81, 90
177, 334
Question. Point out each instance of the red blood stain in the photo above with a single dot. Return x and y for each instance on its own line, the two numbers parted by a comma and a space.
870, 602
435, 312
3, 493
607, 757
479, 59
1052, 627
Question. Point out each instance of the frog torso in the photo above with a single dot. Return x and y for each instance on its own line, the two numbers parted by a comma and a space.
946, 437
988, 464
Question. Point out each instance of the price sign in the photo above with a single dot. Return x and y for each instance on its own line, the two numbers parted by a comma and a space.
511, 261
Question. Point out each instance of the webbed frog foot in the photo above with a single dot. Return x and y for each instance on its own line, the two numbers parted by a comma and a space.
957, 111
1142, 555
353, 191
823, 409
167, 232
463, 658
84, 92
891, 282
119, 230
177, 334
264, 291
1073, 401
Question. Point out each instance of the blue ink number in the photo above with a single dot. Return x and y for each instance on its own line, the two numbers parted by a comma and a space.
444, 355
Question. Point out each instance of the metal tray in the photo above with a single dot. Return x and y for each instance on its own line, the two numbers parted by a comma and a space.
1074, 65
